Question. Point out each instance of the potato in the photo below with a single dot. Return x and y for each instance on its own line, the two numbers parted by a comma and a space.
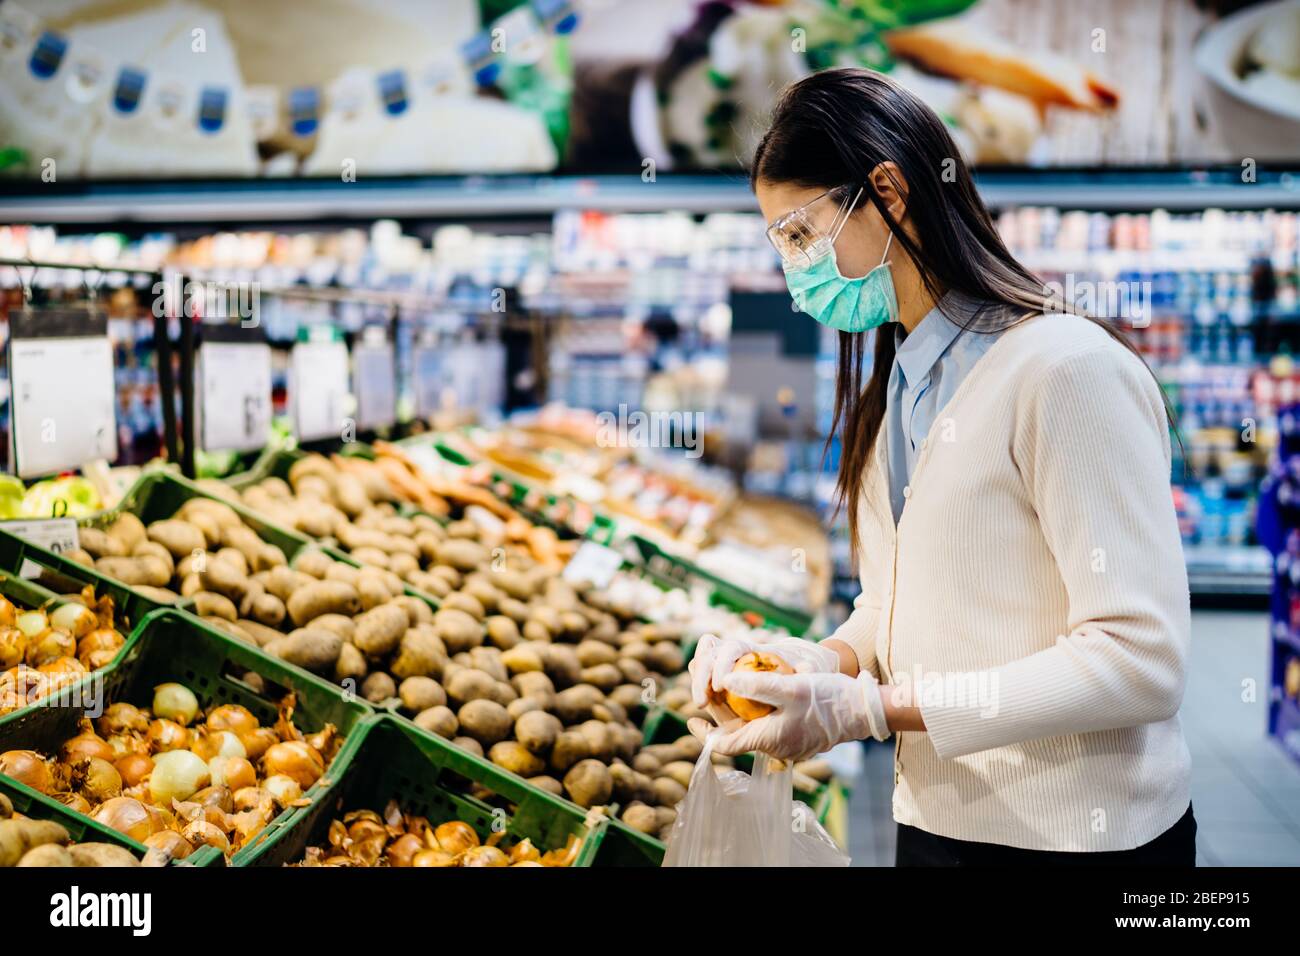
600, 739
538, 730
666, 658
668, 791
99, 544
604, 677
517, 611
128, 530
160, 595
592, 653
380, 629
378, 687
627, 696
502, 632
470, 684
461, 554
351, 665
488, 660
689, 747
570, 747
572, 625
469, 744
315, 563
678, 770
549, 784
308, 648
282, 582
589, 784
523, 705
421, 654
179, 537
258, 633
643, 818
101, 854
438, 720
372, 591
560, 661
458, 630
522, 659
631, 786
19, 836
421, 693
634, 672
146, 570
535, 684
461, 601
47, 855
575, 704
322, 597
417, 611
269, 610
208, 604
646, 763
514, 757
503, 693
484, 720
516, 584
483, 591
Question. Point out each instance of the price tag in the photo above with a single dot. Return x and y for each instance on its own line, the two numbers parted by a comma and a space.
234, 395
593, 562
54, 534
375, 376
62, 390
429, 379
318, 390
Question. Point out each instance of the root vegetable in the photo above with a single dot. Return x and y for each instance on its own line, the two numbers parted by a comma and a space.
484, 720
47, 855
378, 687
516, 758
438, 720
570, 748
549, 784
380, 629
309, 648
421, 654
178, 536
589, 784
757, 662
322, 597
17, 837
537, 731
420, 694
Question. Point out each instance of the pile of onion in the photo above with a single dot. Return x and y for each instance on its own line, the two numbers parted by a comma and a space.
175, 779
42, 652
396, 839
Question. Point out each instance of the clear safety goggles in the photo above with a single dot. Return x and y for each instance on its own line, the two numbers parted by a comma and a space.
805, 235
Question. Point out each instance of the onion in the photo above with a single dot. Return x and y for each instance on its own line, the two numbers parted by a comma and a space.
165, 735
175, 702
295, 759
202, 833
456, 836
134, 768
177, 775
401, 852
50, 646
121, 719
433, 858
256, 798
77, 619
233, 772
29, 768
13, 647
128, 816
258, 741
215, 796
103, 643
8, 613
74, 801
172, 845
484, 856
232, 717
220, 744
124, 745
32, 623
97, 780
63, 670
86, 744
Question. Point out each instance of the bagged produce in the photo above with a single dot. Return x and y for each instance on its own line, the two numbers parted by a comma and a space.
731, 818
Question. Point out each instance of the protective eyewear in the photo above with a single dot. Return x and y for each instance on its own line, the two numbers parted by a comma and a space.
805, 235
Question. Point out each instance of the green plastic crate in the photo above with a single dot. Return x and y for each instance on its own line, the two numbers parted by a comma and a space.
431, 777
83, 829
173, 645
59, 575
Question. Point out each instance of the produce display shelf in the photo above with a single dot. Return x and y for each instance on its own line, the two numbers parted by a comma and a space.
433, 778
172, 645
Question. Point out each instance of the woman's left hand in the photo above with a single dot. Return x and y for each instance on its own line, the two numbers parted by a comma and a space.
814, 712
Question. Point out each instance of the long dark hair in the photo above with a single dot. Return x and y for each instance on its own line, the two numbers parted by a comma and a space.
834, 128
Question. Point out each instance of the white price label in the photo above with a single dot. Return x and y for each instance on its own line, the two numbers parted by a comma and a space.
63, 403
318, 390
234, 395
375, 375
593, 562
429, 380
54, 534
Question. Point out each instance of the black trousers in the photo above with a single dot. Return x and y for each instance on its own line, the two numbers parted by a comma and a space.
1175, 847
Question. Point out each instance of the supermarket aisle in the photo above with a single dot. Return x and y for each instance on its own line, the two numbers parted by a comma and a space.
1245, 790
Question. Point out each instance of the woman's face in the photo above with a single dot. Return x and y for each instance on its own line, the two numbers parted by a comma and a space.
861, 242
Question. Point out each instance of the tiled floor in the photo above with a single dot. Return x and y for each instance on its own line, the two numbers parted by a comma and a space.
1246, 792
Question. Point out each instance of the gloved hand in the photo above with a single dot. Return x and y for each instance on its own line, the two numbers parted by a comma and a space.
814, 712
714, 658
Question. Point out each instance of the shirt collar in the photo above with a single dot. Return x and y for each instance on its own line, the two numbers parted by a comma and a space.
917, 352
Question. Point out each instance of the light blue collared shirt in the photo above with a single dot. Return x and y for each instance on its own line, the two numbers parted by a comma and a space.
929, 365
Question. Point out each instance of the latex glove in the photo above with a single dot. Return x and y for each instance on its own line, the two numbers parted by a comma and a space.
814, 712
714, 658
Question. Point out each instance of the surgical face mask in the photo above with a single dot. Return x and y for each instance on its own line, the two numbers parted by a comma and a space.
805, 238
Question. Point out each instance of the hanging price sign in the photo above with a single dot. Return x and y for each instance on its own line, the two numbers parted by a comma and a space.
234, 368
374, 373
61, 390
430, 379
318, 389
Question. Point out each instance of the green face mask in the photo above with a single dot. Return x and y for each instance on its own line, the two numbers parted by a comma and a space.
849, 305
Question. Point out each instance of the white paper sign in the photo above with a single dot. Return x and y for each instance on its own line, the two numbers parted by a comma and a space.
375, 376
234, 395
593, 562
318, 390
63, 403
54, 534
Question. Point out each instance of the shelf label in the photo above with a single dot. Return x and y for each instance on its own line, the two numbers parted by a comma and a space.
54, 534
234, 395
318, 390
375, 373
62, 390
593, 562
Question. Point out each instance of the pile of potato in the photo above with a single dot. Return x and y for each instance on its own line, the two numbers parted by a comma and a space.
42, 843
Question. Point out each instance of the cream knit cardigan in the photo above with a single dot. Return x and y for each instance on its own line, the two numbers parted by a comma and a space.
1035, 592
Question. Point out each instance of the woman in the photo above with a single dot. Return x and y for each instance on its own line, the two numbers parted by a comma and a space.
1022, 630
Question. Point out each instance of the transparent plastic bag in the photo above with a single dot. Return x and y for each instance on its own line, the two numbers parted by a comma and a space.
738, 819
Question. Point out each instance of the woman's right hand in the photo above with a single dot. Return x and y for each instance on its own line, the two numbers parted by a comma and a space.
715, 658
